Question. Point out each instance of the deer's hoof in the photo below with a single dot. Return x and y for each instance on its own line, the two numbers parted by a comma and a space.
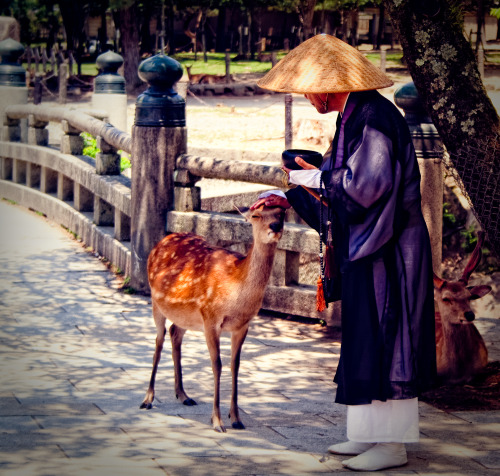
146, 405
237, 425
220, 429
189, 402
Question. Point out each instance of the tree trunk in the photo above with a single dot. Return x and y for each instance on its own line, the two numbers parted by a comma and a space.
129, 36
480, 24
354, 17
306, 15
220, 38
381, 27
445, 72
170, 29
145, 33
103, 30
74, 18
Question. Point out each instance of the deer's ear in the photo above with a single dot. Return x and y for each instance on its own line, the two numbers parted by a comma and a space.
438, 282
479, 291
243, 211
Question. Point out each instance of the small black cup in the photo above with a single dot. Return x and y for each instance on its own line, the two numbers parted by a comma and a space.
310, 156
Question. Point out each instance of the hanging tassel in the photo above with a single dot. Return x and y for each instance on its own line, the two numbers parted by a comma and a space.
329, 256
329, 262
320, 296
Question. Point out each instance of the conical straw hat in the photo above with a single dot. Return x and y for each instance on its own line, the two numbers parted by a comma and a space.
324, 64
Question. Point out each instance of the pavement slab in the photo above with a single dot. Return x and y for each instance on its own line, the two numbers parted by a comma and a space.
76, 359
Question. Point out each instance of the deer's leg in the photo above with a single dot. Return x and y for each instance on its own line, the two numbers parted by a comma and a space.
212, 337
160, 339
237, 339
176, 335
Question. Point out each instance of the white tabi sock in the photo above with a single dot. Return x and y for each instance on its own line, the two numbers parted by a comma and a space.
350, 448
381, 456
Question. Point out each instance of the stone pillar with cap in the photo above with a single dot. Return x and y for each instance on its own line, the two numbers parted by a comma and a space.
159, 136
109, 89
13, 89
429, 149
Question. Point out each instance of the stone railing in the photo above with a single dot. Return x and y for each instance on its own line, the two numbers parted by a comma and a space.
88, 196
122, 218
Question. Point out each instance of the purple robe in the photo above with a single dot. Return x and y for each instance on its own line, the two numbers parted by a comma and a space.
383, 250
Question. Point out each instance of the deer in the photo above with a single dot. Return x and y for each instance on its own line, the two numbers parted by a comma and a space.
460, 349
216, 79
207, 288
194, 78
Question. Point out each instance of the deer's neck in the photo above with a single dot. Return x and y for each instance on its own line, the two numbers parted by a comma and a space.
459, 340
256, 269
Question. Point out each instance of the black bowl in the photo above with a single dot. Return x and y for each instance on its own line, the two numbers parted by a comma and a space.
310, 156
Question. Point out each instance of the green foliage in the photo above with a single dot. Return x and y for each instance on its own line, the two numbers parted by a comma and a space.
89, 145
469, 238
12, 202
448, 217
124, 162
90, 149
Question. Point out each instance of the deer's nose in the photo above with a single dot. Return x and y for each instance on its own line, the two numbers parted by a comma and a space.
276, 226
469, 315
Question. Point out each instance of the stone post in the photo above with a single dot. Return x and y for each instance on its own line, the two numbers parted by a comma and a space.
109, 90
429, 149
159, 136
13, 88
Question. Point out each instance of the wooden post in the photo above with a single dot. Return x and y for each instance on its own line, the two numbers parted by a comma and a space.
480, 62
228, 67
274, 59
38, 89
383, 58
63, 83
288, 121
158, 138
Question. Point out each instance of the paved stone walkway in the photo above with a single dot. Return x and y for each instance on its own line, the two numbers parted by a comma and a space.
76, 359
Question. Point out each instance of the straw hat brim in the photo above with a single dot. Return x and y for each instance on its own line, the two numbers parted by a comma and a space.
324, 64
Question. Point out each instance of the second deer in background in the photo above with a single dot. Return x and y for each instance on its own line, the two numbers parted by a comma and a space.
460, 349
194, 78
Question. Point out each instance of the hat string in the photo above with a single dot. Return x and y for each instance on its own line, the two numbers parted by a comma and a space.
325, 104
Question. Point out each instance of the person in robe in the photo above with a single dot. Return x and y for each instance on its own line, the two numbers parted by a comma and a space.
371, 182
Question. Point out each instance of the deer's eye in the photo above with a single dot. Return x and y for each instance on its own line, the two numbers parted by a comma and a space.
256, 216
446, 300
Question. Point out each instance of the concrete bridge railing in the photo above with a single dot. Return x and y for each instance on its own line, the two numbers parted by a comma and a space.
122, 218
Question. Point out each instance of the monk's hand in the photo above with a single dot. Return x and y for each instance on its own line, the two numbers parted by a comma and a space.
271, 201
305, 165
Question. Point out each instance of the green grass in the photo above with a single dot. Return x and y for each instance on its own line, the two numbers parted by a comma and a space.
216, 63
392, 59
493, 58
89, 69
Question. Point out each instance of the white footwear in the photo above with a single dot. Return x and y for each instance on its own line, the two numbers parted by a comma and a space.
381, 456
352, 448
